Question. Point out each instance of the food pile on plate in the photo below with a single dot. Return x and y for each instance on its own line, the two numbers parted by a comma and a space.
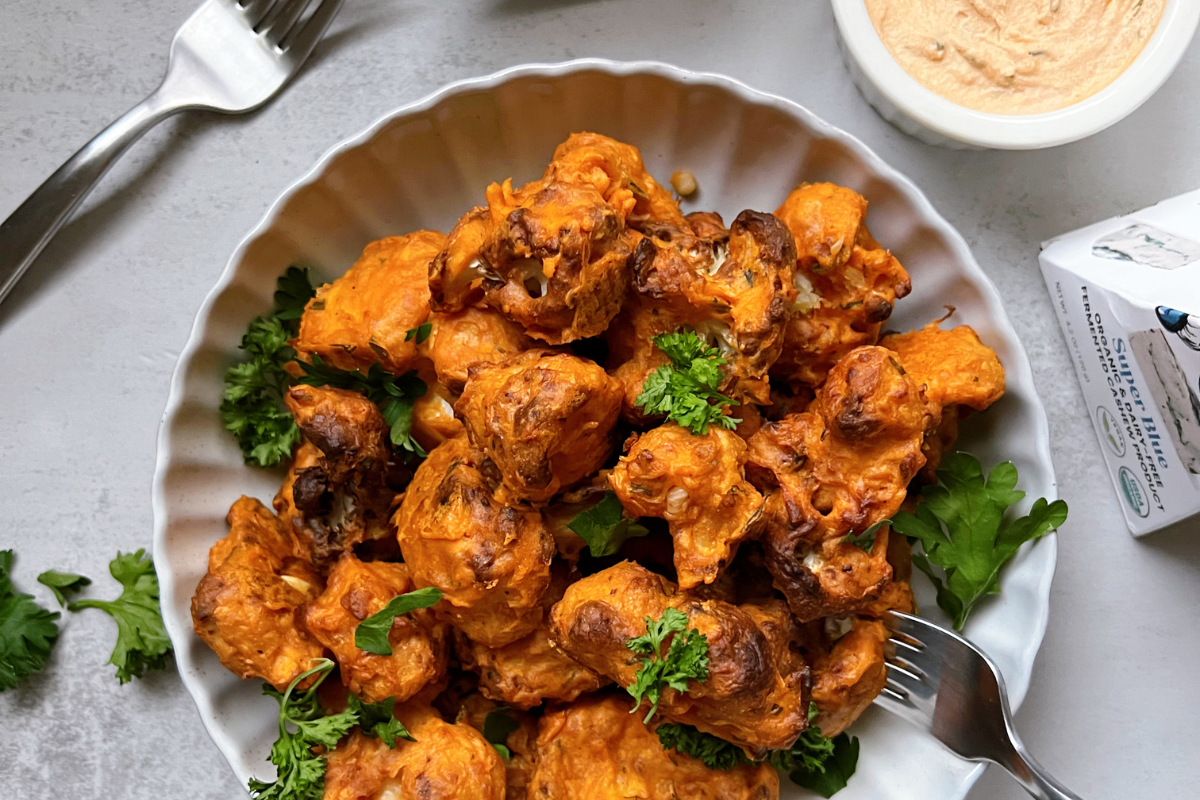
590, 498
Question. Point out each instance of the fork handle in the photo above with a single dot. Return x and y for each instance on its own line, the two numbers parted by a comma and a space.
1033, 776
28, 229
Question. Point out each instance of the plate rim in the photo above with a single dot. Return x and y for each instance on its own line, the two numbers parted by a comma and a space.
179, 633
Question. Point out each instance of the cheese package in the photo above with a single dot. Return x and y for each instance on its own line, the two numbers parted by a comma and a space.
1127, 294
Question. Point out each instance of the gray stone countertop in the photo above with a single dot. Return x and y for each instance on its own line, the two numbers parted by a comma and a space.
89, 339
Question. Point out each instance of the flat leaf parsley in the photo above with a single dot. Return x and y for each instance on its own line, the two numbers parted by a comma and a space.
685, 391
497, 727
142, 641
62, 583
865, 541
605, 527
378, 720
27, 631
962, 528
686, 659
371, 634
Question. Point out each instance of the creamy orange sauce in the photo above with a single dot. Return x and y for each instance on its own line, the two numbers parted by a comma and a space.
1015, 56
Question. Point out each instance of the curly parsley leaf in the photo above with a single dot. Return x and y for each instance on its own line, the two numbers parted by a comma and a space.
27, 631
378, 720
307, 731
962, 527
62, 583
142, 641
420, 333
497, 727
715, 752
685, 391
808, 753
834, 772
605, 527
814, 762
865, 541
252, 407
394, 395
686, 659
371, 634
303, 726
293, 290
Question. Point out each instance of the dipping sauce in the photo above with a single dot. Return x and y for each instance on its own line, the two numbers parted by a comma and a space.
1015, 56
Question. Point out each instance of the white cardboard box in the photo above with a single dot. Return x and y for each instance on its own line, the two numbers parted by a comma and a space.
1127, 294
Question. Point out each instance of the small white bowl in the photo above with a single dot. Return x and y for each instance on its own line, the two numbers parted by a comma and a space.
903, 101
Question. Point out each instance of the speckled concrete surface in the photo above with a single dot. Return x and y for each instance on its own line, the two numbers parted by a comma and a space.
89, 339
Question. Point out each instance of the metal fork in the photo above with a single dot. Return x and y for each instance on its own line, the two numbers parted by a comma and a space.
942, 683
230, 56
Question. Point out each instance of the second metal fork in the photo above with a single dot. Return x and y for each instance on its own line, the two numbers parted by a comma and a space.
229, 56
942, 683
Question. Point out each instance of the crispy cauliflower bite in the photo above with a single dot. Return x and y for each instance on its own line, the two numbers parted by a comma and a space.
339, 487
846, 284
530, 670
248, 606
490, 559
697, 484
734, 288
433, 420
960, 374
550, 256
363, 317
446, 762
848, 675
837, 469
757, 690
616, 170
953, 365
356, 590
596, 750
544, 419
460, 340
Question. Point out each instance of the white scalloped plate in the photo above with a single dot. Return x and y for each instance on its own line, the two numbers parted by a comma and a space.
423, 165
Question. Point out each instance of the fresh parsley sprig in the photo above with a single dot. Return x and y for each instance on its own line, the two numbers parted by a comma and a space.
715, 752
27, 631
378, 720
371, 635
605, 527
686, 659
394, 395
305, 726
832, 773
685, 391
815, 761
142, 642
962, 529
252, 407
